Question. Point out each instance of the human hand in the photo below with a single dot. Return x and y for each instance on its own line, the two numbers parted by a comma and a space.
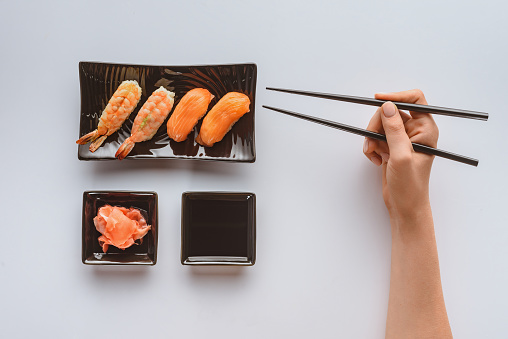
406, 173
414, 261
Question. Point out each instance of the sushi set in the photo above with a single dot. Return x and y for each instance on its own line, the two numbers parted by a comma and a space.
187, 112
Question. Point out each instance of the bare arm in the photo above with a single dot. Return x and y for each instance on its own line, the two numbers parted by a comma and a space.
416, 307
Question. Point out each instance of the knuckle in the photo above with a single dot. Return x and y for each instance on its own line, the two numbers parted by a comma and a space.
420, 130
435, 131
419, 96
401, 160
432, 131
418, 92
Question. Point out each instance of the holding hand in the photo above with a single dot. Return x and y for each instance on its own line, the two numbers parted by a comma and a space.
416, 306
406, 173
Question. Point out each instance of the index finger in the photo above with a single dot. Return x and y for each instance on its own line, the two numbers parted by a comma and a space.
414, 96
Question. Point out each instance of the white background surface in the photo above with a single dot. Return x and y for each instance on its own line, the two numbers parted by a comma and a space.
323, 241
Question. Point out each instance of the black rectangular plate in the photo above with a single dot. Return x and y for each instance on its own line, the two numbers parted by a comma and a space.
98, 82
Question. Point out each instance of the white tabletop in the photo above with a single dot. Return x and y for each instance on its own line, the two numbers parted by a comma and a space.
323, 236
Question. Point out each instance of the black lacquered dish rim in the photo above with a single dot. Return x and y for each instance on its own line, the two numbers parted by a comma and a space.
148, 197
248, 153
220, 195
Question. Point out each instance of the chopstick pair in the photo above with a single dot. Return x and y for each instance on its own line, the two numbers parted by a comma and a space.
373, 135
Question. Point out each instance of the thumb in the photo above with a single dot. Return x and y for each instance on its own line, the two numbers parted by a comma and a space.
396, 136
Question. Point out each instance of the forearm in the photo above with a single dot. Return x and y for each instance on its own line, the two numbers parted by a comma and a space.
416, 306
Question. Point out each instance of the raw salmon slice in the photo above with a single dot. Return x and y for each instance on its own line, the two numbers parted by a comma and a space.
190, 109
222, 117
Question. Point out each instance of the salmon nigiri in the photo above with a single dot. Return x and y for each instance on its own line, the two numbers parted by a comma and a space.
119, 226
187, 113
222, 117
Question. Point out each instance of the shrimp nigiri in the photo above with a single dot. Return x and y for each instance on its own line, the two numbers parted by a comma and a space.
119, 226
189, 110
222, 117
118, 109
150, 117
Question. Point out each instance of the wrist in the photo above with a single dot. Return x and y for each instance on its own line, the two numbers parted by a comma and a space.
412, 221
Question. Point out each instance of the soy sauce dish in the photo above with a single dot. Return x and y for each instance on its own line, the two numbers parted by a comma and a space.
143, 252
218, 228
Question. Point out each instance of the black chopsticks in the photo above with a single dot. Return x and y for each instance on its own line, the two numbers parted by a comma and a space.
377, 136
453, 112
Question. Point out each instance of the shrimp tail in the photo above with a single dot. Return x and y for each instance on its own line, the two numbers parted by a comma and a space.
124, 149
85, 139
97, 143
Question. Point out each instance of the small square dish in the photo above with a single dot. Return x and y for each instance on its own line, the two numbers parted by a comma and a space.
144, 253
98, 82
218, 228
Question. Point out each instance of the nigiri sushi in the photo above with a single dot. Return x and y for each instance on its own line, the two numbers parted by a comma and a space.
119, 226
120, 106
190, 109
222, 117
150, 117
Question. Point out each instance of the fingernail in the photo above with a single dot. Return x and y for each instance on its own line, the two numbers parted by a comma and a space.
385, 156
366, 145
376, 161
389, 109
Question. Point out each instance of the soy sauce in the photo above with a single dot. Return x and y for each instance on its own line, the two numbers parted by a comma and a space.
218, 225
